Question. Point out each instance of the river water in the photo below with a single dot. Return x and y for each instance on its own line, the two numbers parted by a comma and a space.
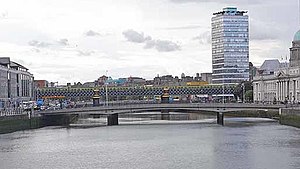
237, 145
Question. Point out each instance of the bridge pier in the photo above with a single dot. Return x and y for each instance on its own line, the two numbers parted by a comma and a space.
59, 120
165, 115
113, 119
220, 118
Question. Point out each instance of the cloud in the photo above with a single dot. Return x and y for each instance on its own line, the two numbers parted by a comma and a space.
136, 37
39, 44
159, 45
219, 1
92, 33
85, 53
36, 50
183, 27
3, 15
264, 31
166, 46
150, 44
63, 42
204, 38
162, 45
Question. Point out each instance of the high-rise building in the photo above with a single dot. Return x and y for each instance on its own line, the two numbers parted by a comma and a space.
230, 46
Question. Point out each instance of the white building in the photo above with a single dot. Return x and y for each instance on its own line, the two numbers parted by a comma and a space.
284, 84
230, 46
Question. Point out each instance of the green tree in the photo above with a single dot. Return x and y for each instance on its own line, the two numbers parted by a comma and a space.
241, 88
249, 95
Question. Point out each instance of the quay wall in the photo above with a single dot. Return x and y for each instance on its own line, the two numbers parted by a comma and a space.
290, 117
10, 124
14, 123
271, 114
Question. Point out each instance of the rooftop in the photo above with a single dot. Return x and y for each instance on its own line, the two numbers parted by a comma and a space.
230, 11
5, 61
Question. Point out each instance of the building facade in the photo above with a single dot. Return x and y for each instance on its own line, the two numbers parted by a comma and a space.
207, 77
284, 85
16, 83
230, 46
41, 83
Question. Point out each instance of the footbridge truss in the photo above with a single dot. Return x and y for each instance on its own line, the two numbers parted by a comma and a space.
212, 90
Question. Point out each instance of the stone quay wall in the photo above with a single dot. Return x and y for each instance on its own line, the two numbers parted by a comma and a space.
290, 117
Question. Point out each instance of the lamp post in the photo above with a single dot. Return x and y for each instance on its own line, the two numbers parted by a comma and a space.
243, 87
106, 94
223, 101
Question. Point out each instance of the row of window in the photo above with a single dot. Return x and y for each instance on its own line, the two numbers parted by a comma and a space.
230, 45
231, 59
234, 29
233, 65
230, 76
239, 40
16, 85
229, 81
220, 51
230, 71
235, 34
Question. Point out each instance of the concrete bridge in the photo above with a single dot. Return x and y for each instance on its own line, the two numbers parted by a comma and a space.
112, 112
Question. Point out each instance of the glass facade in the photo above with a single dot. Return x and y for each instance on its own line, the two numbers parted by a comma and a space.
230, 46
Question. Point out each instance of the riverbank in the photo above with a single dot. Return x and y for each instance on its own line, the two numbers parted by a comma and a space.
290, 117
10, 124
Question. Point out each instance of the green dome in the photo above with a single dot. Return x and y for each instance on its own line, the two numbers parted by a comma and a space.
297, 36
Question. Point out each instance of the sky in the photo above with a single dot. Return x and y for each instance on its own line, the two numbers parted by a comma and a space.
80, 40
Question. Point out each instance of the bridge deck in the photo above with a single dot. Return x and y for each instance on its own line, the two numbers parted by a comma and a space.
158, 107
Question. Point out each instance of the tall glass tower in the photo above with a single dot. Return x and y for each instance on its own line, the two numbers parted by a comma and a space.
230, 46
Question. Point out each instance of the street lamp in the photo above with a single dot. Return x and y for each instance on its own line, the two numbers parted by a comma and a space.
243, 85
223, 91
223, 100
106, 94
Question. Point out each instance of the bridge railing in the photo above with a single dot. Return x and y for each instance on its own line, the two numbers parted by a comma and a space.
182, 106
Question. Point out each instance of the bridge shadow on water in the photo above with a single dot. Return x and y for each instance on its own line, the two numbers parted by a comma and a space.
150, 118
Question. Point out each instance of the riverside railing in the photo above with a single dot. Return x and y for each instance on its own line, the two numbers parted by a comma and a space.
12, 111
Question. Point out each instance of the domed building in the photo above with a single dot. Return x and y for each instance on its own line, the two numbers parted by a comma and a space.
284, 84
297, 36
295, 51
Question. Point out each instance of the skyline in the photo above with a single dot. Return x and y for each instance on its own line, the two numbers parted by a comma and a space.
132, 38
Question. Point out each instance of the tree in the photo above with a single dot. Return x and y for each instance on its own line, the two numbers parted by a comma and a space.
249, 95
241, 88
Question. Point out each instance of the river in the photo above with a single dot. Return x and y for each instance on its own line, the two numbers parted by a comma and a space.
239, 144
